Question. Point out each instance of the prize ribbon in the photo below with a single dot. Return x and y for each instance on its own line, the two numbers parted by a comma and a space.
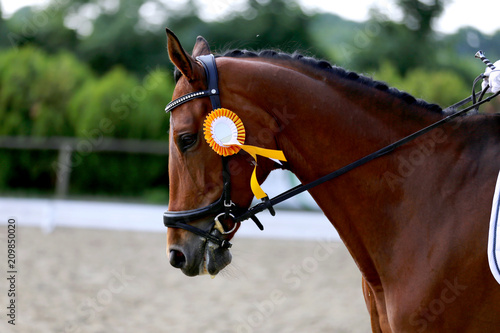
225, 133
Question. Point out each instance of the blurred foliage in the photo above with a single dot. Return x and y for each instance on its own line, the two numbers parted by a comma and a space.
443, 87
35, 90
99, 67
275, 24
419, 16
122, 106
57, 95
131, 175
408, 44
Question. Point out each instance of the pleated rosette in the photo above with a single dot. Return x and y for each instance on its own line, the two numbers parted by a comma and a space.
225, 133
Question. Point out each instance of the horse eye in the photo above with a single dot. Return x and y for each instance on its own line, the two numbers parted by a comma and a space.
186, 141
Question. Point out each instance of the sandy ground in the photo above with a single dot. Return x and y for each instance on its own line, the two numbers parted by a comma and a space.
81, 280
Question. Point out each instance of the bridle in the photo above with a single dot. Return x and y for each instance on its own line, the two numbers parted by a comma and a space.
225, 207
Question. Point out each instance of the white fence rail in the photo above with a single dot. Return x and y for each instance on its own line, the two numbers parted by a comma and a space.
49, 214
309, 223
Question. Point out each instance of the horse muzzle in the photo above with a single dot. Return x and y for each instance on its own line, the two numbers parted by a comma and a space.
195, 255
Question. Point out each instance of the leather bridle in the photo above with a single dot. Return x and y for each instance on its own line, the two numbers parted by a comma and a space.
225, 207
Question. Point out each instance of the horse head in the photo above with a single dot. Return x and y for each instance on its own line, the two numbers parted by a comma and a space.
202, 183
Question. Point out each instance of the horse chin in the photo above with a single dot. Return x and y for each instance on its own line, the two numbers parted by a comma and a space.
215, 259
211, 260
200, 256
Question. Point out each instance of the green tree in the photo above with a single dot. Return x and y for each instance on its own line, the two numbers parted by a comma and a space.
419, 16
35, 90
443, 87
407, 45
101, 33
120, 105
43, 28
276, 24
56, 95
3, 31
118, 39
123, 34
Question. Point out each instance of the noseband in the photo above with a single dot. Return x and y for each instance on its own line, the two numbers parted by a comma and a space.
225, 207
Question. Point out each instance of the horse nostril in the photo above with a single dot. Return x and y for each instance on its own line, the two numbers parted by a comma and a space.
177, 259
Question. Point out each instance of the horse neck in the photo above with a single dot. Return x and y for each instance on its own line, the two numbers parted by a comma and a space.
337, 128
326, 124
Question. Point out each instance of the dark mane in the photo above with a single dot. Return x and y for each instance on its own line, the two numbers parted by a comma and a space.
323, 65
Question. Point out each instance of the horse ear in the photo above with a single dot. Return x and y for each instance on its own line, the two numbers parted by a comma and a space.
183, 61
201, 47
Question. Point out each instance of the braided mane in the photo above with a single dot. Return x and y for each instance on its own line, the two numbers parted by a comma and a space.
322, 65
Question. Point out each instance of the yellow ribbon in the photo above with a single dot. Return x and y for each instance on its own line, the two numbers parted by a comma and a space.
236, 143
269, 153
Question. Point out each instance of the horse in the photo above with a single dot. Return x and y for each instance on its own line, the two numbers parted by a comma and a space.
414, 220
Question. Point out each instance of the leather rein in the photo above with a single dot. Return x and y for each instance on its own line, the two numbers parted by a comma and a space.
224, 206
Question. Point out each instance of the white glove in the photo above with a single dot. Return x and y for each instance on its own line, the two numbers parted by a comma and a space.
492, 78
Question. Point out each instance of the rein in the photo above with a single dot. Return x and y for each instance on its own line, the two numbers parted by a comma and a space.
379, 153
224, 205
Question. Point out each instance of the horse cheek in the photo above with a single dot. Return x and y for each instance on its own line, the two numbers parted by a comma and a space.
416, 321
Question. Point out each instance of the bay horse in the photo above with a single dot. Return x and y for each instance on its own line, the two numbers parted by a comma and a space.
415, 220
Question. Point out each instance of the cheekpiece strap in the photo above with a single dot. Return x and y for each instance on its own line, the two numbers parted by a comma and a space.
208, 62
